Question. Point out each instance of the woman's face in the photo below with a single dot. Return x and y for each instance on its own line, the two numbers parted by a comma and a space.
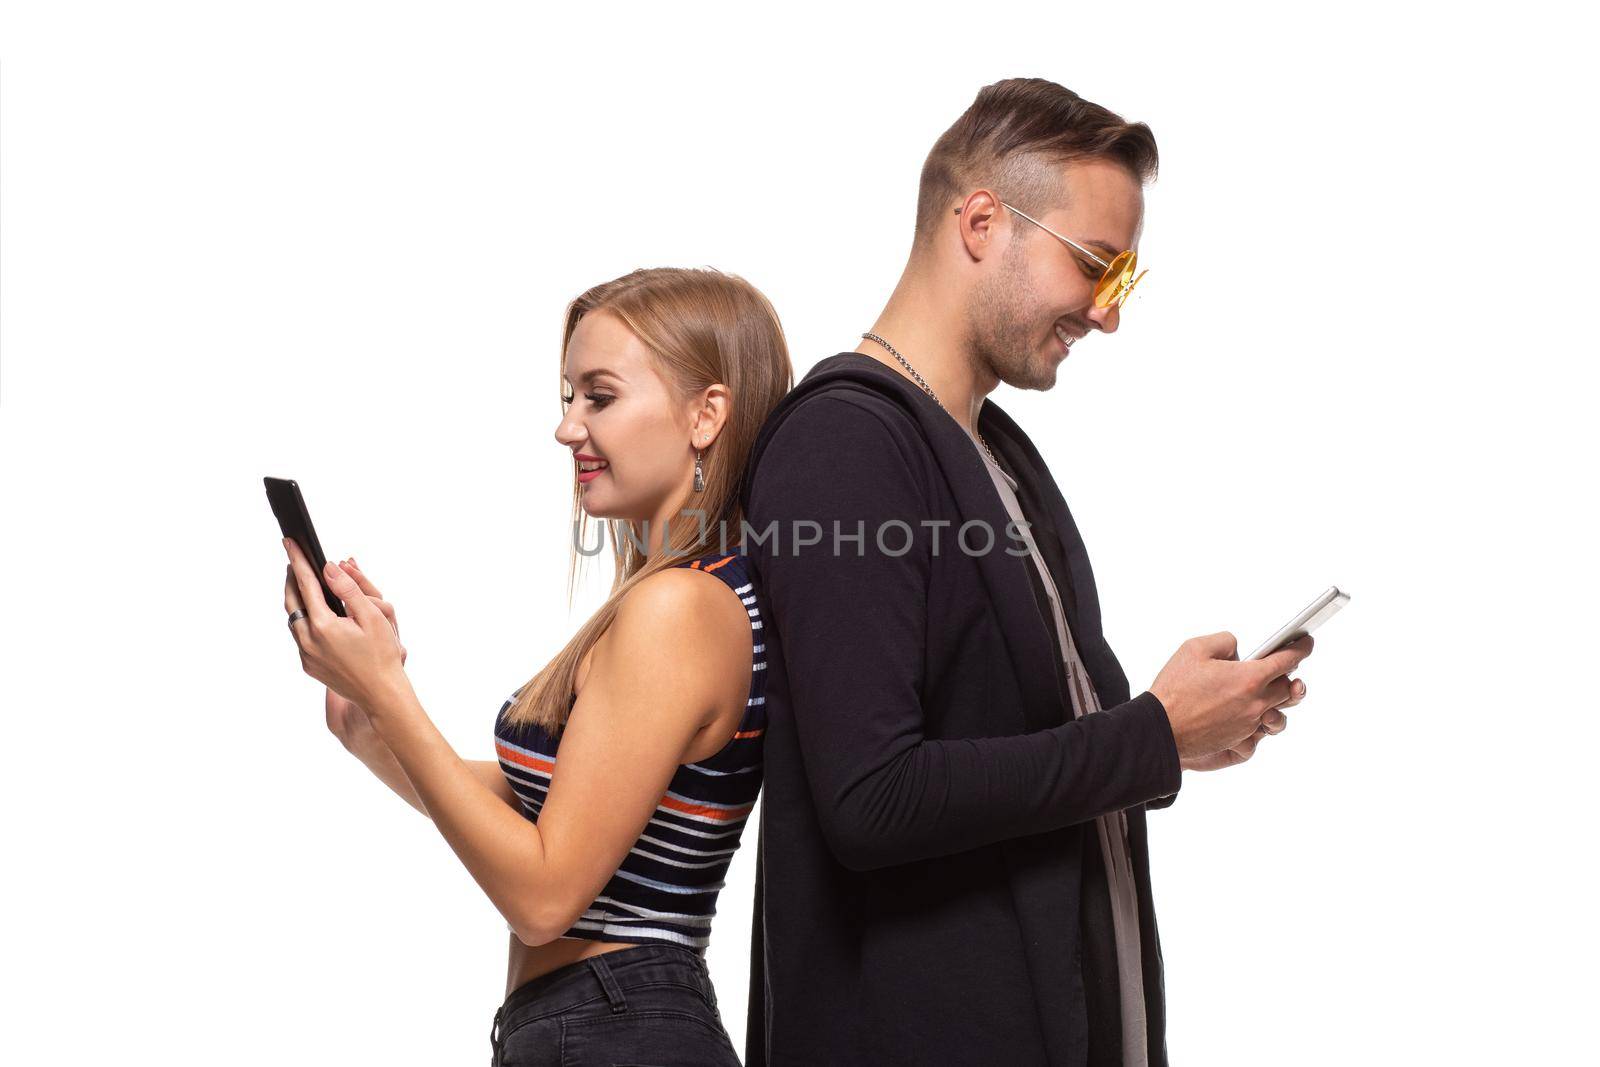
626, 423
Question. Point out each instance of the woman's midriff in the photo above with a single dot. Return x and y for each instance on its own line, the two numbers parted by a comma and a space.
528, 962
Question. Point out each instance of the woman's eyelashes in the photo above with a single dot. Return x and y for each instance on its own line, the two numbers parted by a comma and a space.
599, 400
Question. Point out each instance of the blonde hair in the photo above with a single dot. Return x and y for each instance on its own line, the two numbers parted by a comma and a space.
702, 327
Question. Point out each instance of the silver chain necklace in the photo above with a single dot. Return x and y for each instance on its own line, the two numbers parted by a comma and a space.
870, 336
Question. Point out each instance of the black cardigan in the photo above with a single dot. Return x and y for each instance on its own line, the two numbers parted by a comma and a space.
928, 798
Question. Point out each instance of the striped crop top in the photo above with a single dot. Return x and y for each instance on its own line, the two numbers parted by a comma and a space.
666, 888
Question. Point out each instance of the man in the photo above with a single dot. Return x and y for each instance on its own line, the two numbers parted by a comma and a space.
952, 862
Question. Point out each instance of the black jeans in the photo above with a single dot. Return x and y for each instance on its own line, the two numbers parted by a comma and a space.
645, 1006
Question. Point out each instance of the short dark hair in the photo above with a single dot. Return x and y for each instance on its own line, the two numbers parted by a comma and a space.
1011, 136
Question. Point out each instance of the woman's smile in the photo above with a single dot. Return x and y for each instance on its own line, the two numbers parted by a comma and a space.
589, 467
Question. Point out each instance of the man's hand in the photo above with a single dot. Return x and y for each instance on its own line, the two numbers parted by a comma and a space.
1215, 703
1273, 722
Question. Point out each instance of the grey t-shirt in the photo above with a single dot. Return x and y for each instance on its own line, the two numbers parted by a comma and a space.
1112, 828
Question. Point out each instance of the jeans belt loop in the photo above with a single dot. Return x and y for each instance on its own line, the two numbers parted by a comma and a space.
608, 982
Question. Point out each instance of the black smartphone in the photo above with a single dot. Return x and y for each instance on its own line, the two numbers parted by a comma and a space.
295, 521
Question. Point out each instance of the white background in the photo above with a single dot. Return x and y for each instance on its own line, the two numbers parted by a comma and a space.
334, 243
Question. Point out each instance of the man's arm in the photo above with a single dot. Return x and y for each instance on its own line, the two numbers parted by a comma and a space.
852, 632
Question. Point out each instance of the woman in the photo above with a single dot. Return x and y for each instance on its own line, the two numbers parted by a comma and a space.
605, 863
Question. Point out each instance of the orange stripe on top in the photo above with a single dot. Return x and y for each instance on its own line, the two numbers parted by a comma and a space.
511, 755
720, 814
705, 810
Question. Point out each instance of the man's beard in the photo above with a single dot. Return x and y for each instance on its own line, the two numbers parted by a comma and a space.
1000, 323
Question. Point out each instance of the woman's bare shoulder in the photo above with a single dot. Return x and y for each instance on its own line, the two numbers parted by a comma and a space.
680, 630
694, 612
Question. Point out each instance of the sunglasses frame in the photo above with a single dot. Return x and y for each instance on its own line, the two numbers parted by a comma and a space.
1123, 287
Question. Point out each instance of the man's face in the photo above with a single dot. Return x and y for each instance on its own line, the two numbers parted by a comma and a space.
1032, 305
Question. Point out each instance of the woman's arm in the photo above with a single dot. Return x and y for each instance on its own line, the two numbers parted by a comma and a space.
381, 762
653, 683
348, 722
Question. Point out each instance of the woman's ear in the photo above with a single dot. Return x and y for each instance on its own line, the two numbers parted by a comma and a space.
711, 415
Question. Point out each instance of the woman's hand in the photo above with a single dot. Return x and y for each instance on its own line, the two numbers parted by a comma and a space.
347, 720
355, 656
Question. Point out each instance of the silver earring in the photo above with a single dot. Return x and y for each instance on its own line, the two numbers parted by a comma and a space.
699, 474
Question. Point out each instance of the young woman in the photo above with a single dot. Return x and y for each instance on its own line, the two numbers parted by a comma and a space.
606, 861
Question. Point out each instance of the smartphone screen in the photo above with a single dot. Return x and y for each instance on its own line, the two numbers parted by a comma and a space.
295, 521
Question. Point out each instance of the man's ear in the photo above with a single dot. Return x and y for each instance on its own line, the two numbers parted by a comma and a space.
977, 221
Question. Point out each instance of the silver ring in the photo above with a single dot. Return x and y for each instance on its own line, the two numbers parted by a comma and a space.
295, 615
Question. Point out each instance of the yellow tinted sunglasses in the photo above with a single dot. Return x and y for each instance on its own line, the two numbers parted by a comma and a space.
1117, 280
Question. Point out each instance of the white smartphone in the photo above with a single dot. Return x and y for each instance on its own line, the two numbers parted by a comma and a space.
1315, 614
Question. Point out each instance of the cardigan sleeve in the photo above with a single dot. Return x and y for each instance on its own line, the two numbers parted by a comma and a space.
852, 627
